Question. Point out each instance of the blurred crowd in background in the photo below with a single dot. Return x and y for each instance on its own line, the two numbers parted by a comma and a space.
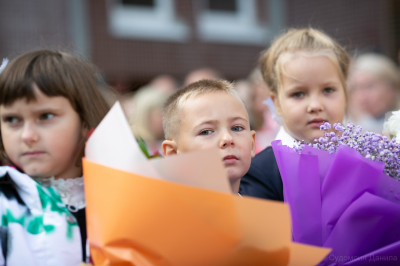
147, 49
373, 90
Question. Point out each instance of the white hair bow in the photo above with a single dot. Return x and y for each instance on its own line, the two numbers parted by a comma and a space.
3, 64
268, 102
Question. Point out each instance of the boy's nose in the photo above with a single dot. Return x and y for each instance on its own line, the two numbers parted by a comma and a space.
226, 140
29, 133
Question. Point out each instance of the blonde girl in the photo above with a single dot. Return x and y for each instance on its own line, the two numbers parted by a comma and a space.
306, 71
48, 102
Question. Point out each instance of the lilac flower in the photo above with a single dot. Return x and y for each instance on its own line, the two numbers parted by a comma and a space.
372, 146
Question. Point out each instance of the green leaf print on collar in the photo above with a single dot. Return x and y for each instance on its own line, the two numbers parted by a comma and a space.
51, 200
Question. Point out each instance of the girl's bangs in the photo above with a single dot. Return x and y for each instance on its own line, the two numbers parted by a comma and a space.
18, 82
15, 85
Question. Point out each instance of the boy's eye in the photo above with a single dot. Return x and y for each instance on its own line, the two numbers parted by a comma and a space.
205, 132
328, 90
298, 94
46, 116
237, 128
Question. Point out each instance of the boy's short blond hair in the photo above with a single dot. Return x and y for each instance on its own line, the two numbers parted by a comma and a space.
310, 41
172, 116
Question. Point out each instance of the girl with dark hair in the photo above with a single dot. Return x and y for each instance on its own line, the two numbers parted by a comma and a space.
48, 102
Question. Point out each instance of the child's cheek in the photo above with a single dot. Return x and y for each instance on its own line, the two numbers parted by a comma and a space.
292, 114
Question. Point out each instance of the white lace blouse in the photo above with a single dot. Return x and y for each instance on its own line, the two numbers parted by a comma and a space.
71, 191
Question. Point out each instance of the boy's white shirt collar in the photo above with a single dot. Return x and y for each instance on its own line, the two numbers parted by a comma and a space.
285, 137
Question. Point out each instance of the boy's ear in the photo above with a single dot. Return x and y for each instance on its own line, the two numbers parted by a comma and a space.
253, 143
275, 100
169, 147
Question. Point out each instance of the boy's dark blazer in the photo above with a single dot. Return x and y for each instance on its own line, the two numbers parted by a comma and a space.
263, 180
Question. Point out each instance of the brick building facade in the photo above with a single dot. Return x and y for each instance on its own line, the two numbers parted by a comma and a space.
131, 46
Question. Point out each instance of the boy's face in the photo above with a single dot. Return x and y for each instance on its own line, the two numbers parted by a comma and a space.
42, 137
217, 120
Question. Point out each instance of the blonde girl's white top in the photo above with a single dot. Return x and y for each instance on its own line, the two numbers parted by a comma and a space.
286, 139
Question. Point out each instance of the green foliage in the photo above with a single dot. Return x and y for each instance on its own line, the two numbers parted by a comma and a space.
145, 150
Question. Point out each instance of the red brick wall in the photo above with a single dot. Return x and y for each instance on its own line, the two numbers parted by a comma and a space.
129, 59
363, 24
27, 25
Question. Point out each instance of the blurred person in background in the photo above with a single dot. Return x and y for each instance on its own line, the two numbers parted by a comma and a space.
374, 90
143, 110
201, 73
164, 83
243, 88
146, 120
266, 126
253, 92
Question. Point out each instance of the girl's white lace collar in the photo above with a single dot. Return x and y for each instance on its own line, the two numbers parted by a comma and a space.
71, 191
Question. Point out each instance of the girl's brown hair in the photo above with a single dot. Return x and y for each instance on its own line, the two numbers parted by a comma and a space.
310, 41
55, 73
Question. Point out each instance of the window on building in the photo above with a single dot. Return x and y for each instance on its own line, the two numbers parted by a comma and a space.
222, 5
146, 3
146, 19
233, 21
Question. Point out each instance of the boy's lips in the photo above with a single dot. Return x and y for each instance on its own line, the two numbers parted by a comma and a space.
230, 159
316, 122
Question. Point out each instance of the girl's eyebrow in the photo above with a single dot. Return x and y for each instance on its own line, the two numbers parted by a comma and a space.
301, 86
42, 109
6, 115
331, 82
295, 88
238, 118
39, 110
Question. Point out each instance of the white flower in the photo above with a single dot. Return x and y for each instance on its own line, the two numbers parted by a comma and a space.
391, 127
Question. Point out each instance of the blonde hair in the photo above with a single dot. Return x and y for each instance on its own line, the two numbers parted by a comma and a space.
145, 101
310, 41
380, 66
172, 117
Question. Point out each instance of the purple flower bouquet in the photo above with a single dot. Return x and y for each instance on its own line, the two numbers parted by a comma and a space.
342, 197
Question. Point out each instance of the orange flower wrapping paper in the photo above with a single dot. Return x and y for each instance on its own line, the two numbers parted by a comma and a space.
138, 213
